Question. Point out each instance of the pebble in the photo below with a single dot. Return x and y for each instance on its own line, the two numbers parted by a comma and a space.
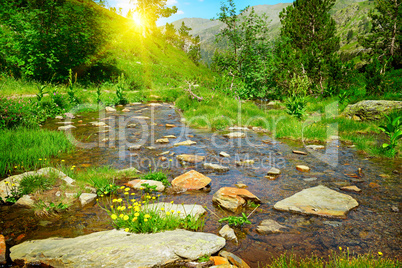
302, 168
351, 188
394, 209
310, 179
299, 152
223, 154
274, 171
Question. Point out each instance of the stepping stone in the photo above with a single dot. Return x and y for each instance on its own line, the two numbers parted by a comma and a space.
170, 137
164, 140
117, 248
164, 153
238, 128
125, 110
302, 168
170, 125
68, 127
163, 159
245, 163
185, 143
315, 147
151, 147
140, 117
241, 185
223, 154
110, 109
154, 104
87, 198
228, 233
131, 125
215, 167
269, 227
320, 201
190, 158
274, 171
351, 188
137, 184
59, 117
98, 124
64, 123
299, 152
310, 179
234, 135
191, 180
134, 147
233, 198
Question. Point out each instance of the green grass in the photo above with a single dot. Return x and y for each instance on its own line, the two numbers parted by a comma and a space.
33, 183
156, 176
341, 259
24, 149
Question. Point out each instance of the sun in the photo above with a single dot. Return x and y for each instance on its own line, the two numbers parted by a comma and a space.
136, 17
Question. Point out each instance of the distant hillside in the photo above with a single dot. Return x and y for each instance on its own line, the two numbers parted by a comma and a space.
343, 12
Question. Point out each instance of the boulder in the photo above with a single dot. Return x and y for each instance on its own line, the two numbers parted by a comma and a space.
117, 248
182, 210
59, 117
215, 167
25, 201
185, 143
4, 189
228, 233
269, 227
233, 135
86, 198
371, 109
137, 184
125, 110
98, 124
191, 180
191, 158
233, 198
110, 109
320, 201
66, 127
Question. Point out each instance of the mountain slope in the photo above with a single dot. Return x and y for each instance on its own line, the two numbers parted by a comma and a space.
343, 12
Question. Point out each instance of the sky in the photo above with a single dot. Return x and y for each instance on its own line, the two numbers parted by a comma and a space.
206, 9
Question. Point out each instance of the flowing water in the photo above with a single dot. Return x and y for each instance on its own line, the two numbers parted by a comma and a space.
372, 226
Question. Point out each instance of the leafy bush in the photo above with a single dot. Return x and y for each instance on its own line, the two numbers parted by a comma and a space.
393, 129
16, 112
236, 221
156, 176
31, 184
296, 106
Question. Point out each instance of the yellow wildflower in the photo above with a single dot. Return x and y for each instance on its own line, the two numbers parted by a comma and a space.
127, 230
172, 202
130, 207
136, 214
6, 182
136, 208
114, 200
380, 253
127, 189
162, 208
147, 216
172, 211
62, 160
167, 213
132, 193
122, 187
340, 248
178, 212
111, 206
119, 200
145, 220
40, 159
153, 197
126, 193
15, 166
125, 217
134, 219
121, 215
114, 216
123, 208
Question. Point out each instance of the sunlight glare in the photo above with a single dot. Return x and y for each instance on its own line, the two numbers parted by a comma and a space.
137, 18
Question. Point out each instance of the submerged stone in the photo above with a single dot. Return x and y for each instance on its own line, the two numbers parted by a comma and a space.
319, 200
215, 167
185, 143
117, 248
228, 233
181, 210
191, 158
269, 227
233, 135
233, 198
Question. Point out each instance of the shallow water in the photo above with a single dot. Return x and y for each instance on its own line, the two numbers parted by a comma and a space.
370, 227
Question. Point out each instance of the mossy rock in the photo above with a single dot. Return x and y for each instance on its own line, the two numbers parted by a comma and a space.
368, 110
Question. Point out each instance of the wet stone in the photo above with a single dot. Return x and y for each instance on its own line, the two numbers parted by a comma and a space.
185, 143
59, 117
223, 154
164, 140
233, 198
315, 147
131, 125
274, 171
191, 180
2, 250
245, 163
351, 188
110, 109
134, 147
170, 125
87, 198
310, 179
233, 259
125, 110
269, 227
234, 135
302, 168
241, 185
98, 124
332, 223
66, 127
215, 167
190, 158
299, 152
137, 184
228, 233
170, 137
394, 209
25, 201
181, 210
320, 201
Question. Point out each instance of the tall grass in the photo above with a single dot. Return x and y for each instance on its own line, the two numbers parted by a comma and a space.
26, 149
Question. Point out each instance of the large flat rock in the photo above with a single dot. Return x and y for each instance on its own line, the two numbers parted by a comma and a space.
319, 200
117, 248
371, 109
191, 180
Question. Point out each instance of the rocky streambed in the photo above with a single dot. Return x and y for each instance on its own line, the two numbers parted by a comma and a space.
314, 197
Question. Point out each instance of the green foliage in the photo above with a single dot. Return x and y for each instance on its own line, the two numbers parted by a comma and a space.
152, 10
156, 176
248, 56
41, 92
393, 129
46, 208
204, 258
311, 29
33, 183
15, 112
43, 39
38, 144
148, 188
103, 185
13, 193
70, 88
236, 221
384, 40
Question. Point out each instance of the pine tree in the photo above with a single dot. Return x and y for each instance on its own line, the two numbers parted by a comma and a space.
309, 26
384, 39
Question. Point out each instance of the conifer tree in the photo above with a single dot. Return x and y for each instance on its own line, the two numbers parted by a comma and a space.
311, 30
384, 39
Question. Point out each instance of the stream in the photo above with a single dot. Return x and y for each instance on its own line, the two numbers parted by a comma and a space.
371, 227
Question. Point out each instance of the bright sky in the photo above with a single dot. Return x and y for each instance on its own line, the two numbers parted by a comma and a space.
206, 9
